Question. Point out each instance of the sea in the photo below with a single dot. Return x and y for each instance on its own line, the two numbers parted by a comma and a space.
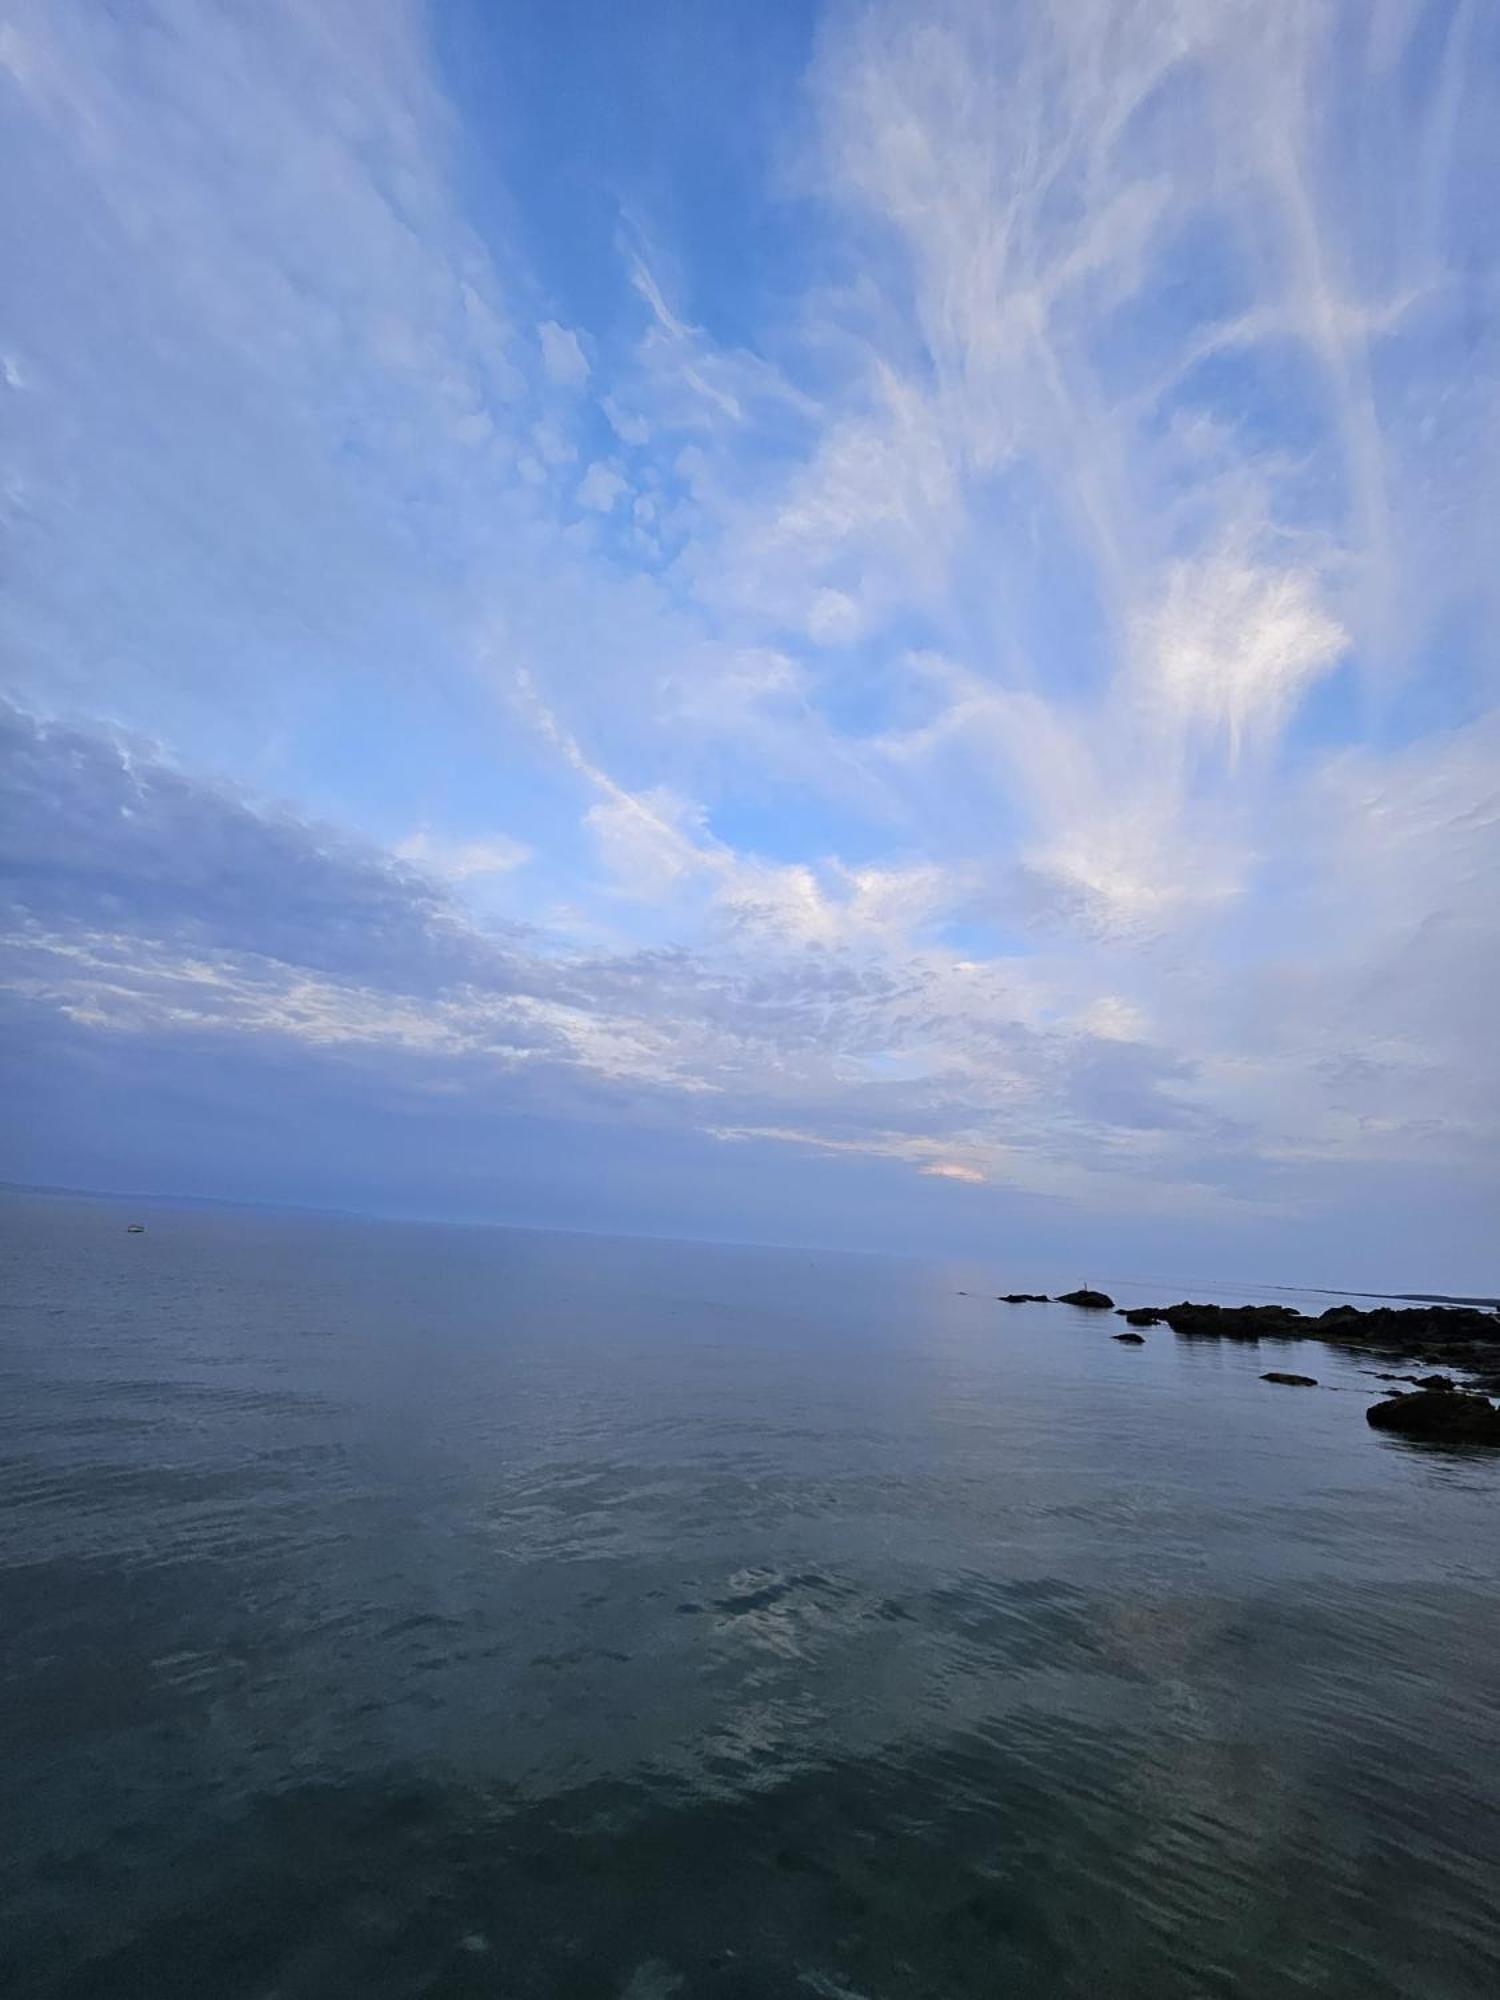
392, 1610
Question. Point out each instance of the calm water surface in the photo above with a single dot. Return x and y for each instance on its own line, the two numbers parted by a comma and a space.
392, 1611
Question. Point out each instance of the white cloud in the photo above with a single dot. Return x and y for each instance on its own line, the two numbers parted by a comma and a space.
601, 486
463, 860
552, 445
1234, 645
628, 425
562, 355
832, 617
1113, 1018
644, 841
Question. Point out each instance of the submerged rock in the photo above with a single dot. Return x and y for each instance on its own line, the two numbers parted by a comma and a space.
1440, 1414
1095, 1301
1024, 1299
1291, 1381
1130, 1339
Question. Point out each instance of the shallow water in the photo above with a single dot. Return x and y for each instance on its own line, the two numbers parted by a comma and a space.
390, 1610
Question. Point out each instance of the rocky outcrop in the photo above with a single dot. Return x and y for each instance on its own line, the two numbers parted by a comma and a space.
1439, 1337
1423, 1336
1236, 1322
1379, 1324
1024, 1299
1443, 1415
1436, 1337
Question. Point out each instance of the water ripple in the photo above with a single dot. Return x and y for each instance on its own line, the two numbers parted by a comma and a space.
405, 1612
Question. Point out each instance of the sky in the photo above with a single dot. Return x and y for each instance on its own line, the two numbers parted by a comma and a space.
868, 626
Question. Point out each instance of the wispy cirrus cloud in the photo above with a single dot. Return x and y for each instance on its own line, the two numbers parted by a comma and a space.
1004, 702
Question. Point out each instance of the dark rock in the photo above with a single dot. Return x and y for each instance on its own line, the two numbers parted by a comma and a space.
1024, 1299
1487, 1379
1291, 1381
1442, 1340
1095, 1301
1454, 1335
1234, 1322
1142, 1316
1130, 1339
1412, 1327
1440, 1414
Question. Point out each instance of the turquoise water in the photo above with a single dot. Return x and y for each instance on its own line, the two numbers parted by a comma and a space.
393, 1610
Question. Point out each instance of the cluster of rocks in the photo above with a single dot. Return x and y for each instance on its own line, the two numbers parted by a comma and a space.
1461, 1337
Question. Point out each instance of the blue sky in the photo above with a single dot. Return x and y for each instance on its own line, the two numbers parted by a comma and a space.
869, 626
